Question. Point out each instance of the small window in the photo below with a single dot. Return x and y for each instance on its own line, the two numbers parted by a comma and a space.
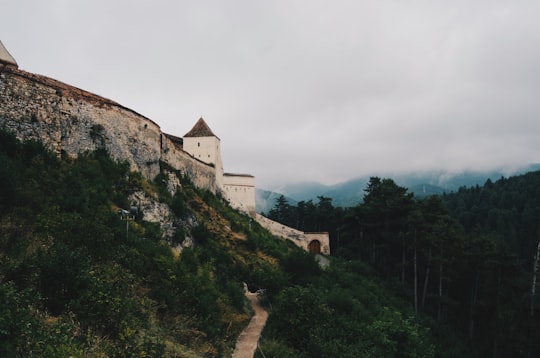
198, 144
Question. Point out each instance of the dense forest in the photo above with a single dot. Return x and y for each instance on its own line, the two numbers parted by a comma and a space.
76, 280
447, 276
464, 261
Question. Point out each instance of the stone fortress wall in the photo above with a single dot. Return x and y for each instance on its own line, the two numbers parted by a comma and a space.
69, 121
316, 242
240, 188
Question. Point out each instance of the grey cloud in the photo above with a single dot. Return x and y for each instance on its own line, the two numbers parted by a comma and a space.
301, 90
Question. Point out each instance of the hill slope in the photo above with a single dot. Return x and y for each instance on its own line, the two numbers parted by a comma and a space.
76, 280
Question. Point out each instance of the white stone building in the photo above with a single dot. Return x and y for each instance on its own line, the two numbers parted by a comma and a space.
239, 189
204, 145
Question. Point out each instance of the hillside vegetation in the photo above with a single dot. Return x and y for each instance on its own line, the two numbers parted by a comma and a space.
422, 184
464, 261
74, 282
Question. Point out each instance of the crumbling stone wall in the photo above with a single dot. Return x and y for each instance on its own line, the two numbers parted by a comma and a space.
201, 174
70, 121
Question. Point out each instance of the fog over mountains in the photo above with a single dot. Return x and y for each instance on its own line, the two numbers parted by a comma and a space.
351, 192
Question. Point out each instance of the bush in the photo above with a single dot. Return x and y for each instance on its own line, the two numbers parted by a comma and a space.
179, 205
301, 266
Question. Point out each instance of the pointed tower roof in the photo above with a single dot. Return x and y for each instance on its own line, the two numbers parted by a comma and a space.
200, 129
5, 57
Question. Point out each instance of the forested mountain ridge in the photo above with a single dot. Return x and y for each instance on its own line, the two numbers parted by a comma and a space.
422, 184
76, 280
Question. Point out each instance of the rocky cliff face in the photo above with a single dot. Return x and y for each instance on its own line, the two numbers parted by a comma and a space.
70, 121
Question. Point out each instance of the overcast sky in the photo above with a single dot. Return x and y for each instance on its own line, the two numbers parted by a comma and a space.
306, 90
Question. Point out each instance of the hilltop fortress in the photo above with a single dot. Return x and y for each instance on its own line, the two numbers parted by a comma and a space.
69, 121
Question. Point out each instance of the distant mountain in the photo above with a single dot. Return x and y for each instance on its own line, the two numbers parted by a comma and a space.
266, 199
351, 192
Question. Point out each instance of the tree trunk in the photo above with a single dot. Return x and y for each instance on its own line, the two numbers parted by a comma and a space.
533, 286
497, 314
439, 309
403, 265
415, 276
474, 297
530, 352
426, 282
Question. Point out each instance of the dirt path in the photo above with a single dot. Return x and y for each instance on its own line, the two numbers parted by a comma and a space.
246, 345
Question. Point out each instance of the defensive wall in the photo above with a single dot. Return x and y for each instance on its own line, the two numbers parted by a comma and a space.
69, 121
240, 188
317, 242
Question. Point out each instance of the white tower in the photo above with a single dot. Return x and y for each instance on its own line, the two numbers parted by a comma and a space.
204, 145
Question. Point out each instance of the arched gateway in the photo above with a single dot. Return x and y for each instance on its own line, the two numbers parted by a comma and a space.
314, 247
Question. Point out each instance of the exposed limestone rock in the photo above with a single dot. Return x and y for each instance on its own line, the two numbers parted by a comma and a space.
173, 183
187, 223
157, 212
154, 211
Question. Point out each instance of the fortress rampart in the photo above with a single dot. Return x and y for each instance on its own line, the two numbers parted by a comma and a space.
316, 242
69, 121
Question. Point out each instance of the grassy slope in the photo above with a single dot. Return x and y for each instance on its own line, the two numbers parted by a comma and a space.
72, 283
